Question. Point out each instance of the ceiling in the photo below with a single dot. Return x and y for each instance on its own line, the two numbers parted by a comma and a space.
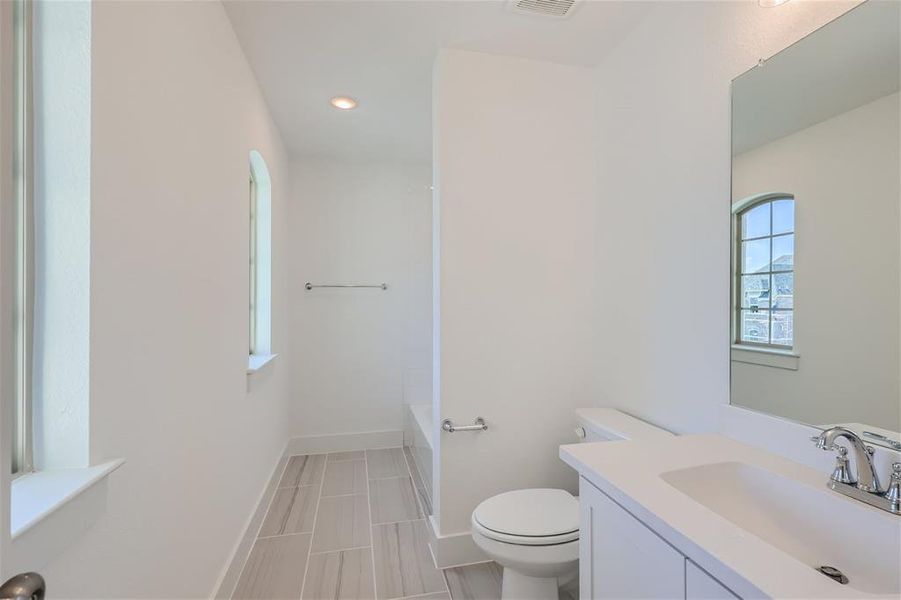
381, 53
847, 63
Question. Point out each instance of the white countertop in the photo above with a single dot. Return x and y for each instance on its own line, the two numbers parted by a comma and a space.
630, 473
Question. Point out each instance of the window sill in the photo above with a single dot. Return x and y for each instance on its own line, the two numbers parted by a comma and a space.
36, 496
256, 362
766, 357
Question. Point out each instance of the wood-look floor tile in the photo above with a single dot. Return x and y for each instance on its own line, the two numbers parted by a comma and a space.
414, 470
274, 568
425, 500
475, 582
438, 596
403, 563
344, 575
393, 500
303, 470
388, 462
344, 477
293, 510
352, 455
342, 523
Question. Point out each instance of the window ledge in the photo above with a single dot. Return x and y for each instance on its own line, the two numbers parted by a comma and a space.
36, 496
766, 357
256, 362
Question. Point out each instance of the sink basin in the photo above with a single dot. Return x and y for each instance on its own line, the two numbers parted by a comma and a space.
815, 526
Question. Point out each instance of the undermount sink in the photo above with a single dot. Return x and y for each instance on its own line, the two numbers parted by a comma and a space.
815, 526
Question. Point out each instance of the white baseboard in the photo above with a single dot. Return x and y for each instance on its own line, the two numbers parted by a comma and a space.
345, 442
229, 578
455, 549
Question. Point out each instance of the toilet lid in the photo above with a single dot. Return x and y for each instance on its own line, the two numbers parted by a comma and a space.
530, 513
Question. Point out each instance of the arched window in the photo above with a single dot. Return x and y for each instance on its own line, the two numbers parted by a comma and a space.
764, 265
260, 261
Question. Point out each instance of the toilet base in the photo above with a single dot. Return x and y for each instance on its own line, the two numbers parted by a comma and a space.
517, 586
532, 572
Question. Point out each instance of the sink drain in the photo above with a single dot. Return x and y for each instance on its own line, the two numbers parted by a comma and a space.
833, 574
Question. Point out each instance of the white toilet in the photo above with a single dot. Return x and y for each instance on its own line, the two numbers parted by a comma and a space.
534, 533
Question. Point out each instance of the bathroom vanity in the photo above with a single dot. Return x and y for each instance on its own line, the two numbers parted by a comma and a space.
705, 516
814, 205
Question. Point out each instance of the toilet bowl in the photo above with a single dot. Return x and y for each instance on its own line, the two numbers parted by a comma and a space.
534, 535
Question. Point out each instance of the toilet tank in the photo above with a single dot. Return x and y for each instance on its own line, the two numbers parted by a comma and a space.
609, 424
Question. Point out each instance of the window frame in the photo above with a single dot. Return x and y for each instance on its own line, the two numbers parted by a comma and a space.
260, 264
253, 250
22, 163
739, 209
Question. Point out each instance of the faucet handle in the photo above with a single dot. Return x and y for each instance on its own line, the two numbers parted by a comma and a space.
842, 473
820, 442
893, 493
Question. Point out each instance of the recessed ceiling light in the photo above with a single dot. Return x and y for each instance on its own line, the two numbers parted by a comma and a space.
770, 3
344, 103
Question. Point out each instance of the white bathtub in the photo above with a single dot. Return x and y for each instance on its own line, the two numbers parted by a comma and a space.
422, 418
418, 440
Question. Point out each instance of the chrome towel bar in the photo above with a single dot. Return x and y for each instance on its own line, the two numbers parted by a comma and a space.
310, 286
478, 425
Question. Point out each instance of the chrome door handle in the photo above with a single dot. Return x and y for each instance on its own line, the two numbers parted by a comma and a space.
24, 586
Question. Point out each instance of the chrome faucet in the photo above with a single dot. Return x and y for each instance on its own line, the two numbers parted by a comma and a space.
867, 479
866, 486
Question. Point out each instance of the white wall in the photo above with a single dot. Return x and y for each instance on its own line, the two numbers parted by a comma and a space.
515, 171
844, 173
176, 111
663, 164
359, 353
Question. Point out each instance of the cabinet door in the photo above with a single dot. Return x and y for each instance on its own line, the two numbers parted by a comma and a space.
620, 557
701, 586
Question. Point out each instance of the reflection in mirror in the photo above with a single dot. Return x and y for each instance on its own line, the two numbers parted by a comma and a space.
816, 228
765, 281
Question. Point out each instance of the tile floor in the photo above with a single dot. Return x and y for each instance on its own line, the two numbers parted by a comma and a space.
352, 525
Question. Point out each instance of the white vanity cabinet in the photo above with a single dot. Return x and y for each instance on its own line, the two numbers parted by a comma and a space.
621, 557
701, 586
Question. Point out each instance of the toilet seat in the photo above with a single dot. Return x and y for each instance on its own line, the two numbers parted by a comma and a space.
530, 517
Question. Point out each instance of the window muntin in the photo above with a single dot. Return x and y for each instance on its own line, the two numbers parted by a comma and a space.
764, 278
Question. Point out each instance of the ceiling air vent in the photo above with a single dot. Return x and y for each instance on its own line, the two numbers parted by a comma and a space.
548, 8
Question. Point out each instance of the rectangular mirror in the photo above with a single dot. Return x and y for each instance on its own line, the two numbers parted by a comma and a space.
816, 228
